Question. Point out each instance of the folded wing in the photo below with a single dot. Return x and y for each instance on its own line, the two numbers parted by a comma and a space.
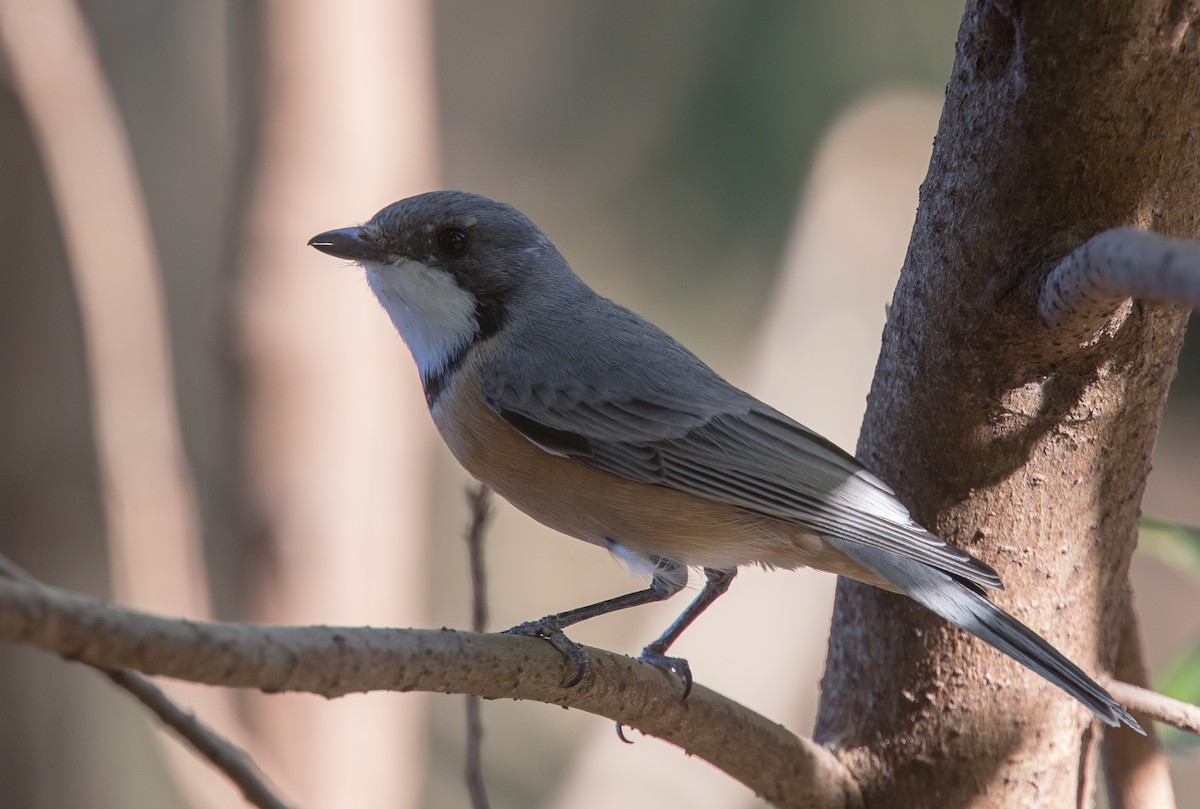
726, 446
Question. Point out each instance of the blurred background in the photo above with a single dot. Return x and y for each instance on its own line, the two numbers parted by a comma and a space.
201, 416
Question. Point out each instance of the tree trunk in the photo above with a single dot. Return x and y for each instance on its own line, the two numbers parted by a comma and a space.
1061, 120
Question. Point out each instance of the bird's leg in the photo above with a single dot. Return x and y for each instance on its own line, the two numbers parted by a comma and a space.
715, 585
669, 579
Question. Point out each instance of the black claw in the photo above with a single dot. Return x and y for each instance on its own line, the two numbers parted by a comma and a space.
572, 651
621, 733
577, 658
672, 665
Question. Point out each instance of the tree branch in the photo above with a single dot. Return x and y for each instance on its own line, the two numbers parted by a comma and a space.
1092, 285
787, 770
1159, 707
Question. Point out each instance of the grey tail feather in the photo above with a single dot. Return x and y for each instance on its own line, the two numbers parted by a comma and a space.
975, 613
960, 603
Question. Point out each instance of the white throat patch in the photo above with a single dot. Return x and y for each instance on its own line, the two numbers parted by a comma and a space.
434, 315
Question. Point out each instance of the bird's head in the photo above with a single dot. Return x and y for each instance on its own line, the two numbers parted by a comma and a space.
448, 267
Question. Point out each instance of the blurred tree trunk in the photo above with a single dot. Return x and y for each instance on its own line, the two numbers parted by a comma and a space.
1061, 120
336, 434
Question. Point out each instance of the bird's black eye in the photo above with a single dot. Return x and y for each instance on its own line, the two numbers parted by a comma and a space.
451, 242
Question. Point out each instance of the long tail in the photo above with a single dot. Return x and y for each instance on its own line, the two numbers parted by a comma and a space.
963, 605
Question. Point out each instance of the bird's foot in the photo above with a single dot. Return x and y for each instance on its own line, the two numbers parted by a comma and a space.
675, 666
549, 631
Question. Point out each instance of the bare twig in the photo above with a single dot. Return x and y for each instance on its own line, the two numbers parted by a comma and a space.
1089, 287
787, 770
15, 572
1156, 706
234, 762
1135, 767
473, 769
478, 498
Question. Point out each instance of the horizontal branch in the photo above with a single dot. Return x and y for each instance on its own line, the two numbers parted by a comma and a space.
787, 770
1156, 706
1095, 280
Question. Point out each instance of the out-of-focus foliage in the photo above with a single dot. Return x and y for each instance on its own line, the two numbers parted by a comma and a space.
1182, 682
1176, 545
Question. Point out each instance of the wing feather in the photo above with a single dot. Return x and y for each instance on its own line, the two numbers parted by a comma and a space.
723, 445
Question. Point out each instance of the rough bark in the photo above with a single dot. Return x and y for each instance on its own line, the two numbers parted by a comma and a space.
1061, 120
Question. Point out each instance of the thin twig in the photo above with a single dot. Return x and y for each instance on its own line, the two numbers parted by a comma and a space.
15, 572
1159, 707
1135, 767
476, 786
785, 769
227, 757
478, 498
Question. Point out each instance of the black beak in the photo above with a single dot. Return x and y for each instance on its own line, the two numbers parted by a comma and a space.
348, 243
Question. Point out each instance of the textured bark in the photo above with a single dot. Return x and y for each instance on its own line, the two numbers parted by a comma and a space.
1061, 120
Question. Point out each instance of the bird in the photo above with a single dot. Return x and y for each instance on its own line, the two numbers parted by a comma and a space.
600, 425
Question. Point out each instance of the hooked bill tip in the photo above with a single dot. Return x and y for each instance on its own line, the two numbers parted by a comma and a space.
347, 243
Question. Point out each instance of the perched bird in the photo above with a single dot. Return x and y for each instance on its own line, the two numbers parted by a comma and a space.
597, 423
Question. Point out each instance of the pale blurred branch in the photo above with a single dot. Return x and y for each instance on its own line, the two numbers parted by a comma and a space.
1135, 766
335, 446
153, 527
785, 769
